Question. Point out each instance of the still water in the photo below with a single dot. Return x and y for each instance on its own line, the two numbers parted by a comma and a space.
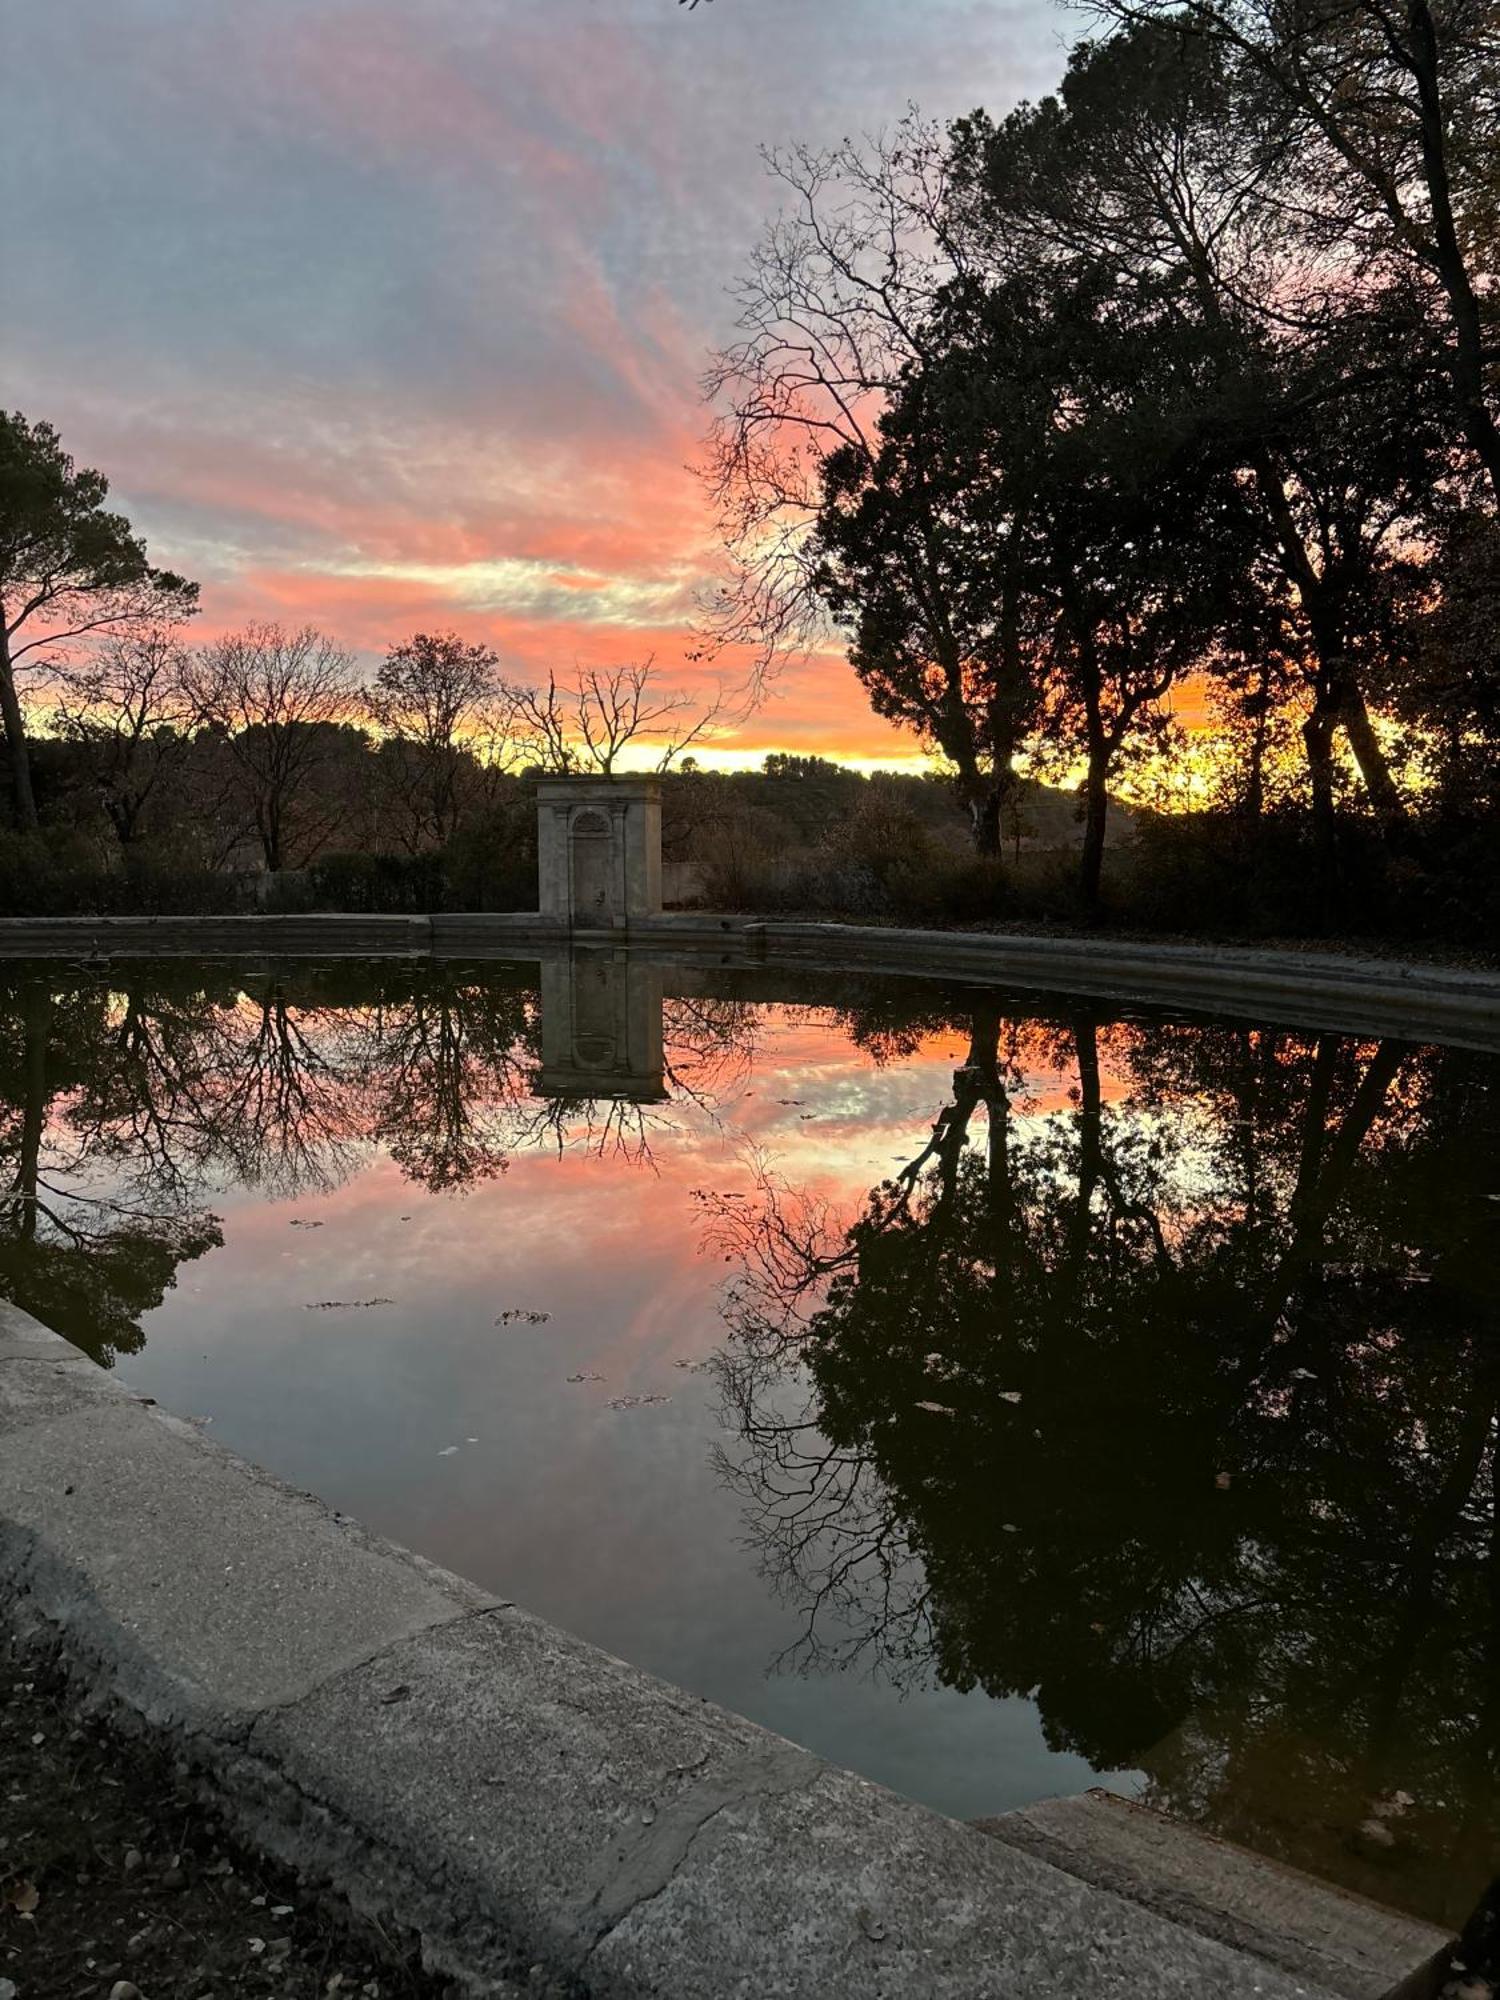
997, 1393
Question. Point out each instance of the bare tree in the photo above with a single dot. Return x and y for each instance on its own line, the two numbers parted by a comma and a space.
830, 312
276, 699
128, 710
441, 707
587, 725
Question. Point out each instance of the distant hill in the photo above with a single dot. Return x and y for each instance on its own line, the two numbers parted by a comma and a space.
808, 796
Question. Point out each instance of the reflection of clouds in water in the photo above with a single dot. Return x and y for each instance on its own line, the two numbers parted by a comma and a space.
1241, 1282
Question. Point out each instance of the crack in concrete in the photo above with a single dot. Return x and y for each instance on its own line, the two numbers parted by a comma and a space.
361, 1663
645, 1862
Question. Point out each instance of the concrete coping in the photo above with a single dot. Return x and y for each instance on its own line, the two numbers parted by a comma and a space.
549, 1819
1337, 990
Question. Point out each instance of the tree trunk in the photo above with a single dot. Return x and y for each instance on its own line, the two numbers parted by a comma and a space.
1390, 807
1317, 738
1090, 1144
984, 819
15, 738
37, 1019
1318, 1201
1254, 802
1095, 812
270, 836
1470, 362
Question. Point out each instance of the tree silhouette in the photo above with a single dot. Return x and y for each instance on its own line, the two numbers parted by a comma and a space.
1175, 1411
88, 1265
69, 569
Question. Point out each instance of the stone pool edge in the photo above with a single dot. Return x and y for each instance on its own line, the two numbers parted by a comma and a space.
1337, 990
548, 1820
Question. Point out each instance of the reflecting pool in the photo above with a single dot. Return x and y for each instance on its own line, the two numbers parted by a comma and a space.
998, 1393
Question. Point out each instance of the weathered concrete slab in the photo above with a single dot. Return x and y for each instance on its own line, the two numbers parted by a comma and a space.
560, 1809
23, 1339
548, 1818
35, 1391
214, 1591
1278, 1914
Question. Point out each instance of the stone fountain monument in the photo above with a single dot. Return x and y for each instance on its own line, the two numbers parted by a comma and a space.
599, 850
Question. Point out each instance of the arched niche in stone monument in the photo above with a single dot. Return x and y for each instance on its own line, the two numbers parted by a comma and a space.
591, 859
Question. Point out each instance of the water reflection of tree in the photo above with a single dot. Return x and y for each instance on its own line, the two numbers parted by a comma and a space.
126, 1102
446, 1062
1174, 1409
89, 1264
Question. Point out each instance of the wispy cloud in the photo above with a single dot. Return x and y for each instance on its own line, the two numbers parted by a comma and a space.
387, 310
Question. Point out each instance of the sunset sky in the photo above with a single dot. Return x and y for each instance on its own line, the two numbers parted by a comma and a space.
389, 314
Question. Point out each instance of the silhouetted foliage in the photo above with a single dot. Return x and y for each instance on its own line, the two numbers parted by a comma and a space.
69, 569
1173, 1406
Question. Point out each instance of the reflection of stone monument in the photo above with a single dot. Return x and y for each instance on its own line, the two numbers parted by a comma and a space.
599, 850
601, 1028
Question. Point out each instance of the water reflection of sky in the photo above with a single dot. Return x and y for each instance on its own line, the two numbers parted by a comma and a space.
610, 1522
1158, 1356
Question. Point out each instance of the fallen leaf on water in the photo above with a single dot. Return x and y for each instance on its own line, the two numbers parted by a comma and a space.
937, 1409
524, 1315
1010, 1395
1223, 1480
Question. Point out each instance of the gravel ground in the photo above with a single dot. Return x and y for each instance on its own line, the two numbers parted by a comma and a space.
116, 1885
